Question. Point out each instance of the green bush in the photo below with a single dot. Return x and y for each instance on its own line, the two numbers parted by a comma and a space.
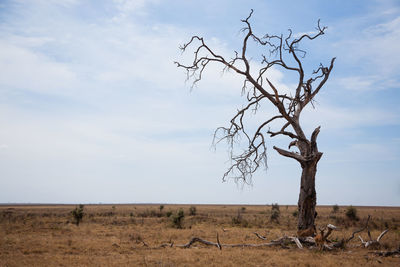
168, 214
78, 213
177, 219
275, 212
192, 211
351, 213
335, 208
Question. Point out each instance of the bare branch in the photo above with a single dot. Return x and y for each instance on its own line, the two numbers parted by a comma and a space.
289, 154
359, 230
314, 139
260, 236
259, 88
297, 241
218, 243
381, 235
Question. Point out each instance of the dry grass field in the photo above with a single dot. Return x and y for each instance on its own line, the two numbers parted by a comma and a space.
132, 235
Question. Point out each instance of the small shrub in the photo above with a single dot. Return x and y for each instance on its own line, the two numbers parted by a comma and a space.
295, 213
78, 213
275, 212
161, 208
239, 220
335, 208
243, 209
177, 219
236, 220
275, 206
168, 214
192, 211
351, 213
275, 215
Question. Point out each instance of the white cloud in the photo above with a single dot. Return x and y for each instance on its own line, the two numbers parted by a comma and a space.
52, 2
364, 152
372, 49
367, 83
390, 28
127, 8
346, 118
24, 69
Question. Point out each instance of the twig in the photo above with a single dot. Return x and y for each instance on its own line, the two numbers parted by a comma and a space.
260, 236
360, 230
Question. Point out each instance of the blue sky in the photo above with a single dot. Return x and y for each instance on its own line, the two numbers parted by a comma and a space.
92, 108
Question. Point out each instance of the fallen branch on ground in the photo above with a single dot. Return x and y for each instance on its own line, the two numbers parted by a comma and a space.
283, 241
386, 253
359, 230
300, 242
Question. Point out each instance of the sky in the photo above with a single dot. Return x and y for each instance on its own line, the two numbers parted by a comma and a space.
93, 109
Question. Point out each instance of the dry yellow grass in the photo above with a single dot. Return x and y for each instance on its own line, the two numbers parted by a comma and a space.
115, 236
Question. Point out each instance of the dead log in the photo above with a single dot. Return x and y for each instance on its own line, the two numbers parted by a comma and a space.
283, 241
199, 240
386, 253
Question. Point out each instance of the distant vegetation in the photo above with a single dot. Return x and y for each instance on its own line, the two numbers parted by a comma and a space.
177, 219
78, 213
192, 211
275, 212
335, 208
351, 213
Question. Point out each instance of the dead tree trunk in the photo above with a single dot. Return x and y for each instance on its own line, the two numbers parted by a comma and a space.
307, 197
308, 159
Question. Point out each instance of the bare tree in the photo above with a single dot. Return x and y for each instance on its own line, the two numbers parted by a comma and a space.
283, 53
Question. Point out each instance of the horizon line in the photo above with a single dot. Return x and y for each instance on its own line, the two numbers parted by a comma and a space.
184, 204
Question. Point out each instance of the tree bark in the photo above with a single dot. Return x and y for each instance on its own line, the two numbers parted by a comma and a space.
308, 196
